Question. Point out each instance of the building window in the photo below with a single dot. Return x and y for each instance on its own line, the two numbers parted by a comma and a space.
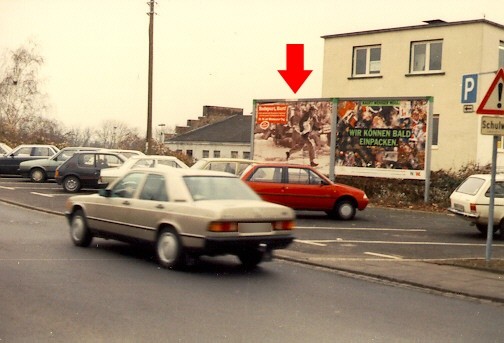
234, 154
435, 129
189, 153
426, 56
216, 153
206, 153
246, 155
367, 60
501, 54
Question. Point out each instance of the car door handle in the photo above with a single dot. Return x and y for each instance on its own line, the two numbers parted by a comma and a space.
160, 206
126, 202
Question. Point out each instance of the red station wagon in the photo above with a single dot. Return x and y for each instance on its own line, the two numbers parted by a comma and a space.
304, 188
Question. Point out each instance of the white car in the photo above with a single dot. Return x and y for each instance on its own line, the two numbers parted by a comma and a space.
471, 201
109, 175
229, 165
4, 149
183, 213
127, 153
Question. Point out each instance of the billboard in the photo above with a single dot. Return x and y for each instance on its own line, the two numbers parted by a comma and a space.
382, 138
363, 137
293, 131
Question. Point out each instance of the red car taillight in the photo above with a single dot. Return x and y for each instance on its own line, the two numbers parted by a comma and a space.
223, 227
472, 207
283, 225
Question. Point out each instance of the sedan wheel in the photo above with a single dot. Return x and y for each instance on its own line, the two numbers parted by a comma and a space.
251, 258
71, 184
37, 175
345, 209
79, 230
169, 250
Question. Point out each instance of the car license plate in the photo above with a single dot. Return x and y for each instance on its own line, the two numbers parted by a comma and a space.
254, 227
458, 207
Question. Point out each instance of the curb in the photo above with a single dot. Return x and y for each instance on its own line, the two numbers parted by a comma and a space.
388, 279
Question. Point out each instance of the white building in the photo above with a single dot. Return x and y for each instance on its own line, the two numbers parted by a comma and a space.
454, 63
229, 137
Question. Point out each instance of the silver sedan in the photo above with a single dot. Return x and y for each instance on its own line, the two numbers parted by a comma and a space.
185, 213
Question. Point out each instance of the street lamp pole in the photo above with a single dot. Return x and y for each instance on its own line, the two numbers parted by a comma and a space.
149, 93
114, 138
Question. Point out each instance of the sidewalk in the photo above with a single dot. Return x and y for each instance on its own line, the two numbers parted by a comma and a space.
441, 278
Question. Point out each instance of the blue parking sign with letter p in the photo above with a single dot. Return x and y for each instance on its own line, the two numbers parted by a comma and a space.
469, 88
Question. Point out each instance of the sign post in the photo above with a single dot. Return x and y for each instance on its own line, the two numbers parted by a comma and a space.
492, 104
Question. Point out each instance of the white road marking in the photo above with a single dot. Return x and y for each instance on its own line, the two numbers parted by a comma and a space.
383, 255
357, 229
310, 242
326, 241
37, 188
9, 188
42, 194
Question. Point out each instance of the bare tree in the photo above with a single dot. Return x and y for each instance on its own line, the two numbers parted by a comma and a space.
77, 136
21, 98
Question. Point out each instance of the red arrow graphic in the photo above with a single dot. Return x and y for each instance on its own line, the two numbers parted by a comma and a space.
295, 74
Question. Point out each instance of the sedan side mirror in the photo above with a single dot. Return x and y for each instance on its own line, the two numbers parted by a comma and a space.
107, 193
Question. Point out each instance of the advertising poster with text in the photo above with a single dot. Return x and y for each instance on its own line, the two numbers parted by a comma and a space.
294, 131
382, 138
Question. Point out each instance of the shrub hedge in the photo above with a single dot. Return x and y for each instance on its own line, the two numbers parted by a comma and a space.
410, 193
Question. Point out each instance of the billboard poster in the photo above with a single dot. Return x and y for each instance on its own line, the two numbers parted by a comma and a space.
382, 138
293, 131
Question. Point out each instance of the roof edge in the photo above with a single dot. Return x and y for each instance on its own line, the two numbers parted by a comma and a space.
433, 24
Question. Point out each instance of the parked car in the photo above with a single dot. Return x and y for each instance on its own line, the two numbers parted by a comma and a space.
127, 153
82, 170
304, 188
40, 170
9, 163
147, 161
185, 213
471, 201
230, 165
4, 149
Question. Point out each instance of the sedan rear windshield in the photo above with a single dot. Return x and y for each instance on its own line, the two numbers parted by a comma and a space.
471, 185
218, 188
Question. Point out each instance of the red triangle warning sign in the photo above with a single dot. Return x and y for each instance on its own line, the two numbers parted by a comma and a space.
493, 102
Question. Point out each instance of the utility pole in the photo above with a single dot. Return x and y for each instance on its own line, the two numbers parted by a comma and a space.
149, 94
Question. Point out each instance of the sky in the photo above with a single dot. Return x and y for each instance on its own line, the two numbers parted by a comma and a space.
206, 52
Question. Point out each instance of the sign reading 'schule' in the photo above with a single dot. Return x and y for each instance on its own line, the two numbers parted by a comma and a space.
377, 137
493, 126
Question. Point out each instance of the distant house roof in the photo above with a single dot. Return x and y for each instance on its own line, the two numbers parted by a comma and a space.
235, 129
429, 24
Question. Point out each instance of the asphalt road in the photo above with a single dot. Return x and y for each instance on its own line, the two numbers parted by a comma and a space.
375, 233
115, 292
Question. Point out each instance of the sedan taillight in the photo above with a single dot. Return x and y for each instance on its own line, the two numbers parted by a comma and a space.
472, 207
283, 225
223, 227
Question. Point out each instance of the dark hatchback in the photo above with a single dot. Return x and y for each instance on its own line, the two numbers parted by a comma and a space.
82, 170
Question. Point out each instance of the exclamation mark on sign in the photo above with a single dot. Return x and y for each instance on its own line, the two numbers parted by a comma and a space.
499, 94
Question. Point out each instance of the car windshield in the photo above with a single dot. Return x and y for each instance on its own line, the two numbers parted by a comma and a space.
199, 164
471, 185
218, 188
